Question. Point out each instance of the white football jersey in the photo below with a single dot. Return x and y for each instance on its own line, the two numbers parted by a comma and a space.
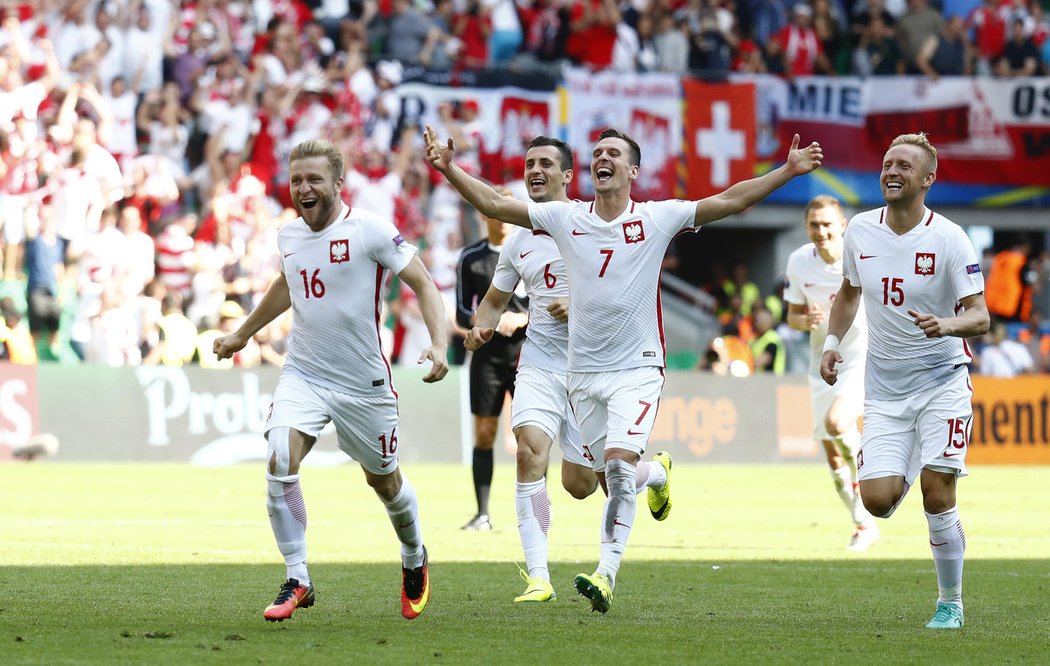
813, 282
614, 278
336, 278
534, 259
929, 270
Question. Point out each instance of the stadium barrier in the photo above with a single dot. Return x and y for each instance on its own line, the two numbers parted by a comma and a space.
216, 417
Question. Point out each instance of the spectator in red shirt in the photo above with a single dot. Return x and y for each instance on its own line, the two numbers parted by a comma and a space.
592, 32
803, 51
473, 27
989, 35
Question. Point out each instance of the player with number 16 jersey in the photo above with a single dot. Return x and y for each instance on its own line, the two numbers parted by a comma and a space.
335, 341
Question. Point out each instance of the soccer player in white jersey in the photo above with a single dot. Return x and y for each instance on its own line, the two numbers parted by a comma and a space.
334, 263
613, 248
923, 292
541, 410
814, 275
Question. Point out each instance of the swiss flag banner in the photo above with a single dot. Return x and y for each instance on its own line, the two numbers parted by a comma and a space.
719, 127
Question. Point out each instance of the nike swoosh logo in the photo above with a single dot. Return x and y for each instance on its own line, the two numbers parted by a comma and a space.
807, 285
950, 455
936, 545
577, 232
408, 523
387, 463
288, 254
525, 254
867, 256
616, 522
631, 432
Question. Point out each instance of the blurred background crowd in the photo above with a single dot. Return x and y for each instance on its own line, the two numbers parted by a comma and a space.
144, 149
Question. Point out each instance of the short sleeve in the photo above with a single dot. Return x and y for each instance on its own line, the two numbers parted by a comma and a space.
674, 215
967, 278
792, 292
550, 216
849, 261
387, 246
506, 277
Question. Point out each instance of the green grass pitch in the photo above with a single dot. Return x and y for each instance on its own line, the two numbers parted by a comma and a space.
170, 564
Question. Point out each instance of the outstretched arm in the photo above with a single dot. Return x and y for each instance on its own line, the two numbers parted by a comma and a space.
487, 317
276, 300
843, 312
481, 196
432, 307
747, 193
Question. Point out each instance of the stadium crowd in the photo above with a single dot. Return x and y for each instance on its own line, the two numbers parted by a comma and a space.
144, 143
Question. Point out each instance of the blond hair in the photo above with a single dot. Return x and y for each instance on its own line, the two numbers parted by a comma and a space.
919, 139
320, 148
822, 201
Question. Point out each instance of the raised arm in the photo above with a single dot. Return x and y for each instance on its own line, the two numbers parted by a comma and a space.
843, 312
477, 193
432, 307
487, 317
747, 193
276, 300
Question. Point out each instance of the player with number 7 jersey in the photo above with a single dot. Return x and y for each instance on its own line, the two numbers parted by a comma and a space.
616, 323
613, 248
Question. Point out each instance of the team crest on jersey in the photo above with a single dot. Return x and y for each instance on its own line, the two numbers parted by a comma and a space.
339, 251
925, 262
633, 232
399, 239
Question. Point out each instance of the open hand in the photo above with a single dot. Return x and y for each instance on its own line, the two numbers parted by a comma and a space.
804, 160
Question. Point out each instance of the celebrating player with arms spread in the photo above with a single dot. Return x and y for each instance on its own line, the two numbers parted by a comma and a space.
613, 248
541, 410
921, 284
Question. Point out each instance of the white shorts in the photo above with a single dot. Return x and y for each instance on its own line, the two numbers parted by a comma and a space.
850, 386
929, 429
541, 400
615, 409
366, 427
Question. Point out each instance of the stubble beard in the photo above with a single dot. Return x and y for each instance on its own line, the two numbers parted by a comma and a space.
324, 210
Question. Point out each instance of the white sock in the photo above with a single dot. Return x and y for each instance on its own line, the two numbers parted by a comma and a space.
533, 505
843, 479
649, 474
404, 516
617, 516
847, 443
287, 511
948, 543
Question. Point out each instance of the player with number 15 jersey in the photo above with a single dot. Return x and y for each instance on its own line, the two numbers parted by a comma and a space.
929, 269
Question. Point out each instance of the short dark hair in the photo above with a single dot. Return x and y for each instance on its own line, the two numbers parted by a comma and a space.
636, 152
564, 151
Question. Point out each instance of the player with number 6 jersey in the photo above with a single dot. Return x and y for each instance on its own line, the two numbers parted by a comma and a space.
923, 293
613, 248
334, 264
